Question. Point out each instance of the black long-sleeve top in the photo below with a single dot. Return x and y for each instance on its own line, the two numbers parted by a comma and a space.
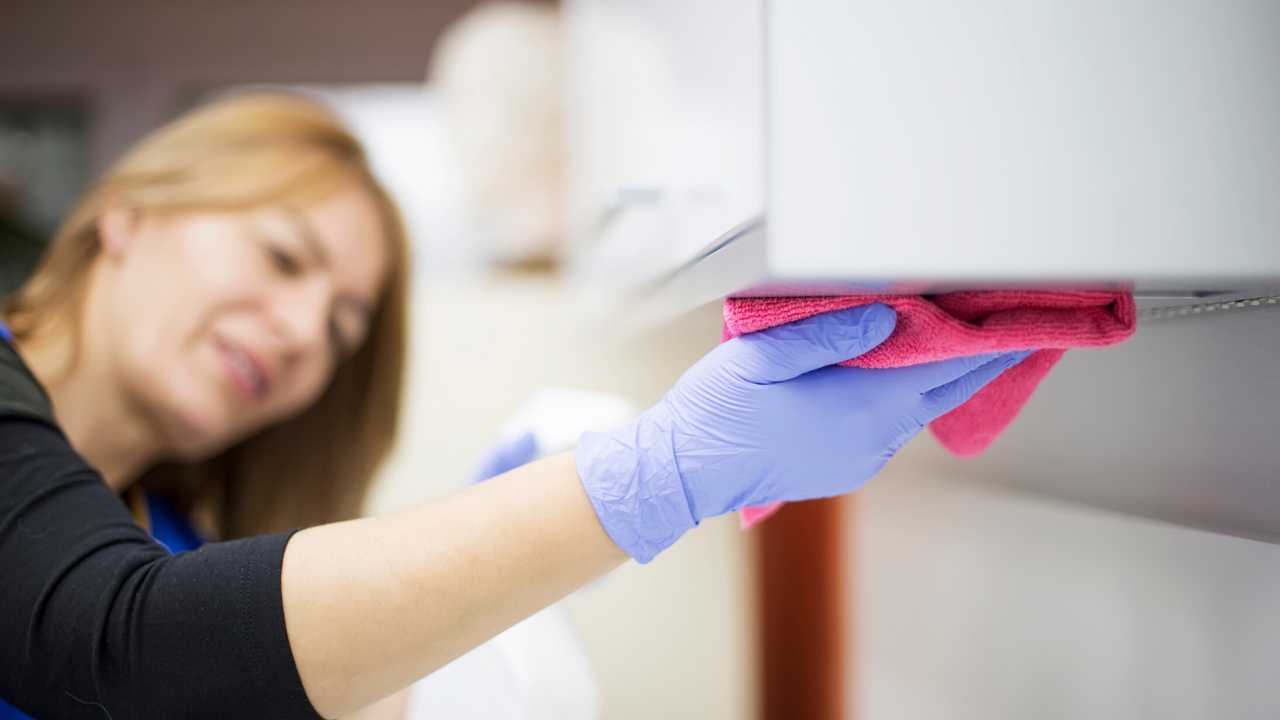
97, 620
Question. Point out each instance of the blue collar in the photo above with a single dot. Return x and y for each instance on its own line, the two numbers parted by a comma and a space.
5, 335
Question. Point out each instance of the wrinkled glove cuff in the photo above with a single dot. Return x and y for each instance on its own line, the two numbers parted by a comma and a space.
634, 484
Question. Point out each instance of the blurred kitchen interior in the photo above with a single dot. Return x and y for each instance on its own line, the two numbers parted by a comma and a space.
971, 596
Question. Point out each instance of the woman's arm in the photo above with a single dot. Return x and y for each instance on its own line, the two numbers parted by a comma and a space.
372, 605
392, 707
95, 616
98, 620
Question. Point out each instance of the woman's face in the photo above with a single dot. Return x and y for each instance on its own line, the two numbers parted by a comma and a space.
218, 324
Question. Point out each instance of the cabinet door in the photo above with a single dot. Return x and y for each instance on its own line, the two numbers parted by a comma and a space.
1025, 140
664, 120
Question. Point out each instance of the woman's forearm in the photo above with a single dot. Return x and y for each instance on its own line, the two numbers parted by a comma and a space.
372, 605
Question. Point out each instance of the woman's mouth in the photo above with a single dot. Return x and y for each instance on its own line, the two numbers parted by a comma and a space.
246, 373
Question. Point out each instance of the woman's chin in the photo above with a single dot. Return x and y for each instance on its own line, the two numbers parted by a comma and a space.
195, 434
197, 417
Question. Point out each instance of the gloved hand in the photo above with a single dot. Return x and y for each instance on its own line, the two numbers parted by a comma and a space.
506, 456
763, 418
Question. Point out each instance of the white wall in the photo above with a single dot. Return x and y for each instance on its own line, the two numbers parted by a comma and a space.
980, 602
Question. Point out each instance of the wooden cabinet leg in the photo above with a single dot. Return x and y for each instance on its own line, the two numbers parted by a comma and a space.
800, 579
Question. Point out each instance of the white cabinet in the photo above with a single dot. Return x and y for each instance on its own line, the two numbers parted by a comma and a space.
664, 129
808, 146
1016, 140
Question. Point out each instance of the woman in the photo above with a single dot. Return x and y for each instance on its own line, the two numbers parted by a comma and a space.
220, 322
228, 196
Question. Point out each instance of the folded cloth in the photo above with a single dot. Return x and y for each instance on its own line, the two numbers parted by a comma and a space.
937, 327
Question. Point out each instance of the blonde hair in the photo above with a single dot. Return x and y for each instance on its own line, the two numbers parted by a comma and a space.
239, 153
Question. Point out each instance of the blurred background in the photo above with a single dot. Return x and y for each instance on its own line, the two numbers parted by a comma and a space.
965, 595
478, 183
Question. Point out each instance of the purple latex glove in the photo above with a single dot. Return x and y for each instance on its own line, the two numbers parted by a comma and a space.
507, 456
763, 418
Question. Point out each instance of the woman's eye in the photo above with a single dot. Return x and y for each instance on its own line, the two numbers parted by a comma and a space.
283, 261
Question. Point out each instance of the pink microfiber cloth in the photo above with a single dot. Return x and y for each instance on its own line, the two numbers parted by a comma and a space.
937, 327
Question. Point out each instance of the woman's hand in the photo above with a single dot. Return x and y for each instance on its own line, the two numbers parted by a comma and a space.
506, 456
763, 418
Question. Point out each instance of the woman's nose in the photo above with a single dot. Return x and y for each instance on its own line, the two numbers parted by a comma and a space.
300, 318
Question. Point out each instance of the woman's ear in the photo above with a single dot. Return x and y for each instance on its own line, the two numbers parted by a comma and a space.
116, 228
